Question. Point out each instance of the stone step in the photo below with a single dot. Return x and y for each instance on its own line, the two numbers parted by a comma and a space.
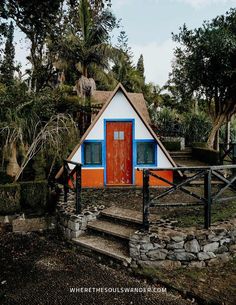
114, 229
201, 182
181, 153
126, 215
182, 158
176, 204
105, 246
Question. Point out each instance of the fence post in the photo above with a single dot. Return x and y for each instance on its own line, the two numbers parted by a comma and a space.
208, 202
65, 180
78, 207
234, 157
146, 200
221, 151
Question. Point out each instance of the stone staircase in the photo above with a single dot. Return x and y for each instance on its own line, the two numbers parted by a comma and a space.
109, 234
182, 154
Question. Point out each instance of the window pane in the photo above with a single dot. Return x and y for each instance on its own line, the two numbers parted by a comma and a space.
121, 135
145, 153
116, 135
96, 153
87, 154
92, 153
149, 157
140, 153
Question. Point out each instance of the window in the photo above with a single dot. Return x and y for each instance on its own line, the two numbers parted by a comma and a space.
92, 153
119, 135
146, 153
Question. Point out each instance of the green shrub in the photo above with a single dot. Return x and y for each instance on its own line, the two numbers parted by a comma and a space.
167, 122
199, 144
172, 146
206, 155
34, 196
4, 178
196, 127
9, 199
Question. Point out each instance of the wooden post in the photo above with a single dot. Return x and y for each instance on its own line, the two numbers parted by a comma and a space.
208, 202
65, 180
227, 136
78, 207
146, 200
221, 151
234, 158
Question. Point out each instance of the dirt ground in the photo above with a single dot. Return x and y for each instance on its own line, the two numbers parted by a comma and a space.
212, 285
183, 216
39, 269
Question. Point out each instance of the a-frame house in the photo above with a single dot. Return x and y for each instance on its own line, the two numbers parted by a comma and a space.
117, 144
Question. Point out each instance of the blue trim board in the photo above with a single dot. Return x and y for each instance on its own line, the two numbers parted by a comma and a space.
155, 153
82, 154
105, 151
133, 145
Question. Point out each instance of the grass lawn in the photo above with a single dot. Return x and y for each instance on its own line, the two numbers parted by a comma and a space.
214, 285
194, 215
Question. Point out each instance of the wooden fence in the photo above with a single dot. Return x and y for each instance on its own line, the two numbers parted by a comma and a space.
224, 178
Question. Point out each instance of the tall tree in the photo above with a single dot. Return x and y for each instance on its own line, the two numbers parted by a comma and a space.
3, 25
95, 35
140, 66
7, 66
37, 20
85, 41
123, 44
123, 69
205, 67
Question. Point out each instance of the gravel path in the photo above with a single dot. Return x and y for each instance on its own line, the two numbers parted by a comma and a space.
40, 270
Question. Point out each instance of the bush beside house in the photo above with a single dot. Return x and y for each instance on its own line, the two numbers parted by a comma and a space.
9, 198
206, 155
28, 197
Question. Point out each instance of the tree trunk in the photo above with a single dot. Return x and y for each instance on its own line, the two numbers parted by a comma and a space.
213, 134
13, 166
217, 141
85, 70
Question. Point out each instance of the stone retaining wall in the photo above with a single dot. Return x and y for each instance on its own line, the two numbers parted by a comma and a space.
68, 223
23, 225
187, 247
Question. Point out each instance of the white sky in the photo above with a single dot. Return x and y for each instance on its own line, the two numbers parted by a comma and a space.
149, 25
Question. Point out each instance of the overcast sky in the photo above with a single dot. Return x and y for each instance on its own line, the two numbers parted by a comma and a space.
149, 24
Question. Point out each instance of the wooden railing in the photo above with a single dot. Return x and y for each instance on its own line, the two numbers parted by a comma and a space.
228, 153
72, 180
223, 181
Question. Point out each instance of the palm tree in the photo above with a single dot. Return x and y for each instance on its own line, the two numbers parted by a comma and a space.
11, 131
86, 41
28, 134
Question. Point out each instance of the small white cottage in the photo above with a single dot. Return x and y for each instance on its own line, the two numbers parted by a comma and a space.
118, 142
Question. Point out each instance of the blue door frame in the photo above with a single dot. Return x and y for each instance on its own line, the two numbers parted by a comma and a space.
133, 146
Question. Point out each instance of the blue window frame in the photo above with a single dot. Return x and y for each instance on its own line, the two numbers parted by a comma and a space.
92, 154
146, 152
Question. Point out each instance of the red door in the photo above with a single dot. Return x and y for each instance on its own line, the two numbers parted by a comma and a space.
119, 153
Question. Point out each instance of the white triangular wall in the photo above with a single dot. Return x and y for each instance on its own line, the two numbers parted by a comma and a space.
120, 108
